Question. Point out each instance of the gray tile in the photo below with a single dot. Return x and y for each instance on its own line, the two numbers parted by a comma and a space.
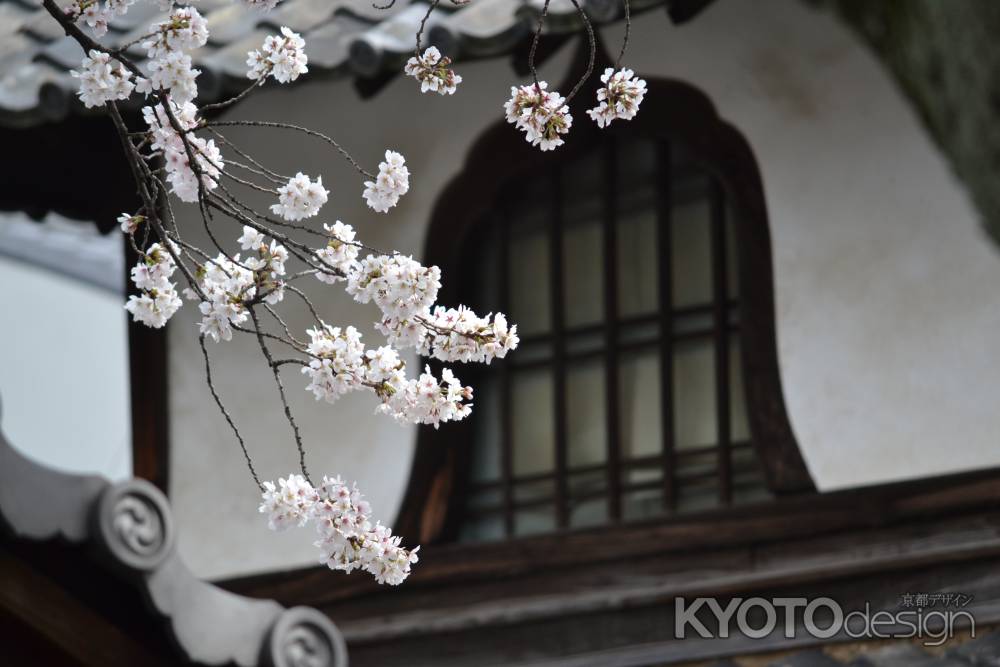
13, 17
231, 23
301, 15
231, 59
563, 17
328, 45
63, 52
41, 27
35, 55
486, 27
139, 15
365, 9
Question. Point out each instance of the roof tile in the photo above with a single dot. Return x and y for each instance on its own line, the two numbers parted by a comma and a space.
343, 36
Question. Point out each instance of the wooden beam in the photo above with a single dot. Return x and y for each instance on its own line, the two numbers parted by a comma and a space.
849, 512
63, 621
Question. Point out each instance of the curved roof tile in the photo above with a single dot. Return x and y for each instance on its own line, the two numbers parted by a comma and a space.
343, 37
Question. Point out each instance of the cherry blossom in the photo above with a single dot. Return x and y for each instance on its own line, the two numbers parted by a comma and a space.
227, 284
340, 253
289, 503
129, 223
460, 335
392, 182
93, 15
348, 539
300, 198
425, 400
283, 58
399, 285
183, 30
250, 239
619, 98
172, 72
340, 364
158, 300
230, 286
102, 80
541, 114
166, 141
338, 361
118, 7
431, 70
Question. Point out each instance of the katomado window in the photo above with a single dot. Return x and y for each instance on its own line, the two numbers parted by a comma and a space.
620, 259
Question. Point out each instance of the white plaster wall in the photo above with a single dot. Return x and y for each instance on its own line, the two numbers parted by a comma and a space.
64, 384
885, 286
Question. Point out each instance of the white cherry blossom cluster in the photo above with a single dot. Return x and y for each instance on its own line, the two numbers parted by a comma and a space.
425, 400
399, 285
340, 364
541, 114
405, 292
95, 15
102, 80
283, 58
458, 334
620, 96
348, 540
228, 285
171, 72
158, 300
392, 182
169, 66
431, 70
451, 334
340, 253
184, 29
166, 141
300, 198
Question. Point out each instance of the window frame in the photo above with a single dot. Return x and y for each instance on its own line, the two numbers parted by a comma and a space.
673, 111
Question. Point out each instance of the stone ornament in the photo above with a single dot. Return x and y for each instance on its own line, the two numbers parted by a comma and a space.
134, 524
304, 637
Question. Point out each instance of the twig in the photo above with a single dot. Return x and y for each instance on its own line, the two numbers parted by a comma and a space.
281, 393
534, 46
628, 30
420, 30
593, 51
225, 413
297, 128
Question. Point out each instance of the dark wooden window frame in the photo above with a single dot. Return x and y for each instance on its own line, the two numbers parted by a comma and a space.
613, 332
672, 111
148, 376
